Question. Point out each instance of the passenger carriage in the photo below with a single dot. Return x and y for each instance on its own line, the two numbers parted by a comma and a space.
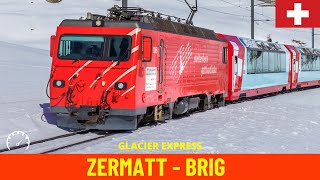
256, 67
309, 67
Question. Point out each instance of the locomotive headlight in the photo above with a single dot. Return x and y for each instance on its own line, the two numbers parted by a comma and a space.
59, 83
121, 86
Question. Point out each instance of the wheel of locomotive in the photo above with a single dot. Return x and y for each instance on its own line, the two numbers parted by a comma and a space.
204, 103
221, 101
139, 119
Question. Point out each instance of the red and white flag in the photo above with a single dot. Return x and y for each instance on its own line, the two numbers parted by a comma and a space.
297, 13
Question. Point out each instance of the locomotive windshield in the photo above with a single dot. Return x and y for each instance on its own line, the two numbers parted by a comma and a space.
89, 47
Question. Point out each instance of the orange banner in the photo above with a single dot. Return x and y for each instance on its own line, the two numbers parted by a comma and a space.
77, 167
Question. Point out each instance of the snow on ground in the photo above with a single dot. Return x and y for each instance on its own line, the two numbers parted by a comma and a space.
288, 123
24, 73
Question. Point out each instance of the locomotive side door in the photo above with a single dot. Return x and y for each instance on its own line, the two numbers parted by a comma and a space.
161, 65
236, 67
295, 66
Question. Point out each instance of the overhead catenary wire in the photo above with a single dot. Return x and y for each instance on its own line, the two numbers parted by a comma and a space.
270, 18
247, 16
216, 11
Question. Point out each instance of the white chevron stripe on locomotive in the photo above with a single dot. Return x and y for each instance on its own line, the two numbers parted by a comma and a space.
182, 57
133, 32
80, 69
104, 73
120, 77
135, 49
129, 90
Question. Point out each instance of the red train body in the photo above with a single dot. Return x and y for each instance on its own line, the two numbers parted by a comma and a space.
110, 73
116, 75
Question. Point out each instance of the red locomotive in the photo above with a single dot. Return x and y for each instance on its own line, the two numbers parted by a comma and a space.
113, 72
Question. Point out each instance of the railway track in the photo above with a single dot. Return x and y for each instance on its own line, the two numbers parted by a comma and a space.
63, 143
57, 149
53, 144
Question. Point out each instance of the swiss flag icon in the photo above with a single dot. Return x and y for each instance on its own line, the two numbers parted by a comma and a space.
297, 13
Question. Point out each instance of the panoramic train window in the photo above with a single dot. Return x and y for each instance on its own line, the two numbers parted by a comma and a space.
89, 47
310, 63
266, 62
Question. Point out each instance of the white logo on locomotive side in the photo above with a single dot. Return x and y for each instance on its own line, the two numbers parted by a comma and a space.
182, 57
208, 70
201, 59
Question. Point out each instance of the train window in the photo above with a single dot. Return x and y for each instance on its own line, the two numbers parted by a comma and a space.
251, 61
119, 48
266, 62
147, 49
52, 44
271, 62
94, 47
259, 62
283, 62
225, 55
277, 64
310, 63
81, 47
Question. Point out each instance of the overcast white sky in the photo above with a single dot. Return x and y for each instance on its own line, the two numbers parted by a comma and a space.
32, 24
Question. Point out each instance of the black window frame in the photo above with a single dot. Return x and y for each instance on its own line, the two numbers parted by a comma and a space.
106, 47
225, 55
151, 49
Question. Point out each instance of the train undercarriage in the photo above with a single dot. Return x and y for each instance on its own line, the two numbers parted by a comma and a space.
125, 119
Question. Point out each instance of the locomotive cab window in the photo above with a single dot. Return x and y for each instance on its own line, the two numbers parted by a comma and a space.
119, 48
92, 47
225, 55
147, 49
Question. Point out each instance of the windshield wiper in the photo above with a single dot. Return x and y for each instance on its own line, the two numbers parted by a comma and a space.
76, 60
91, 57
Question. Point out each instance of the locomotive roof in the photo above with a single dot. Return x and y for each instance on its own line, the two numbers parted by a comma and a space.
156, 23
